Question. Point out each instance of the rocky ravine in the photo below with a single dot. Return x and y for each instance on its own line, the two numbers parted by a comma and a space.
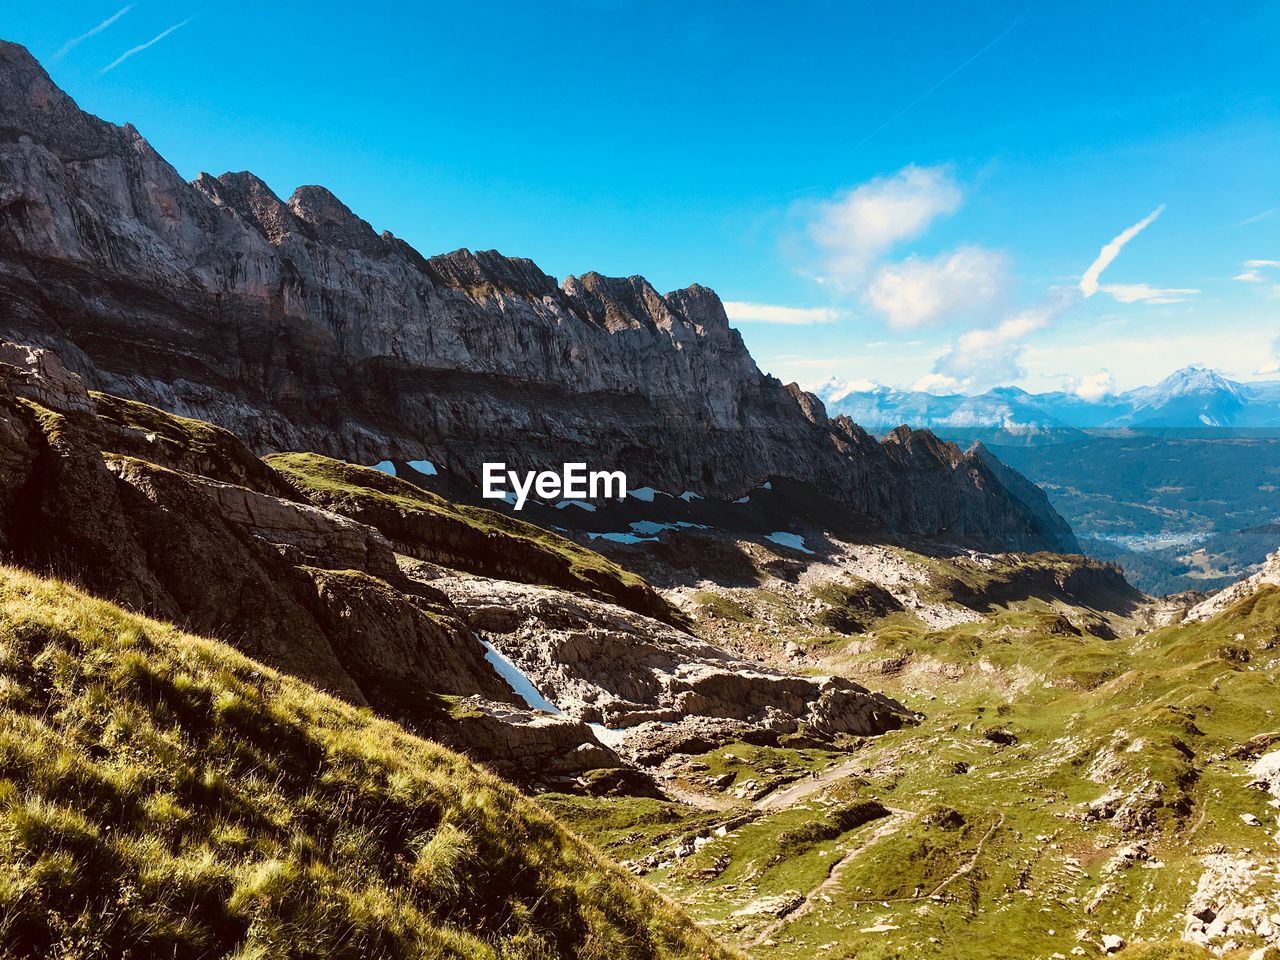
655, 689
298, 327
178, 519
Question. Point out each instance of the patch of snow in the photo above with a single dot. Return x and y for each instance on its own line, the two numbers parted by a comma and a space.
792, 540
424, 467
643, 493
621, 537
689, 496
607, 735
386, 466
516, 679
767, 485
589, 507
651, 527
745, 499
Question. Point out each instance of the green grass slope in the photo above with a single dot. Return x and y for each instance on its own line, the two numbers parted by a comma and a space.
163, 796
1060, 788
468, 538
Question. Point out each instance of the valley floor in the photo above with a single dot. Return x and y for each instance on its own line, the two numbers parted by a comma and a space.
1074, 776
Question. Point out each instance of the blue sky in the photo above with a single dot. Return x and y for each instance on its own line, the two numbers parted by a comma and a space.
906, 193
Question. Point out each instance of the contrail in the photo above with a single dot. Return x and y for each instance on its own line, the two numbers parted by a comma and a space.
1089, 282
1007, 30
76, 41
142, 46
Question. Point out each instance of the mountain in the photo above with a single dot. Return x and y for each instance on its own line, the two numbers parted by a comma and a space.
1193, 398
268, 764
262, 702
298, 327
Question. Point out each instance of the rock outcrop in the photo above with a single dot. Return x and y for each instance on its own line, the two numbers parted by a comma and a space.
655, 688
309, 591
1267, 576
297, 326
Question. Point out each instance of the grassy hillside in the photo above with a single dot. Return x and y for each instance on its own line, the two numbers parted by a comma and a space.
468, 538
1062, 787
163, 796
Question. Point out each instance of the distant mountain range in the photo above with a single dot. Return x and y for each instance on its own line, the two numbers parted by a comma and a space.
1194, 397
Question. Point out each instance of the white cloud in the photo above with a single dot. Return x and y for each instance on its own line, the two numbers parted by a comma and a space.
93, 31
1145, 293
132, 51
936, 383
859, 227
742, 312
921, 291
834, 389
1093, 386
1272, 365
1089, 281
989, 356
1253, 270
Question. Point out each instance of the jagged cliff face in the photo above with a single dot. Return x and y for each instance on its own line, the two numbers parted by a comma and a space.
297, 326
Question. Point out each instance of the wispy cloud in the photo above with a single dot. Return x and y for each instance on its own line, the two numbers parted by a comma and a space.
1145, 293
1253, 270
984, 357
742, 312
1089, 282
142, 46
76, 41
1258, 216
916, 102
855, 232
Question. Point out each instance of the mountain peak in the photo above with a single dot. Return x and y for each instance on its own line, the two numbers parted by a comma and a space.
253, 202
31, 103
331, 219
703, 307
1195, 378
619, 303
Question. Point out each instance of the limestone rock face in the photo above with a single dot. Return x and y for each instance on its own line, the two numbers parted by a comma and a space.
602, 664
297, 326
1267, 576
306, 590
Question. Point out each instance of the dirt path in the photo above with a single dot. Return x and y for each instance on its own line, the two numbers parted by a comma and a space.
692, 798
959, 872
885, 828
793, 793
973, 861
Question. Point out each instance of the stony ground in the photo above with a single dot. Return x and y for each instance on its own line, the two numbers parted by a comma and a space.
1078, 780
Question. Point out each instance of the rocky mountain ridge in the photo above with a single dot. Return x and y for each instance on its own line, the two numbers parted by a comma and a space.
297, 326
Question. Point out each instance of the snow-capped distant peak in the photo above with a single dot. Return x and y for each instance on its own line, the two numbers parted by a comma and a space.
1195, 379
1195, 396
